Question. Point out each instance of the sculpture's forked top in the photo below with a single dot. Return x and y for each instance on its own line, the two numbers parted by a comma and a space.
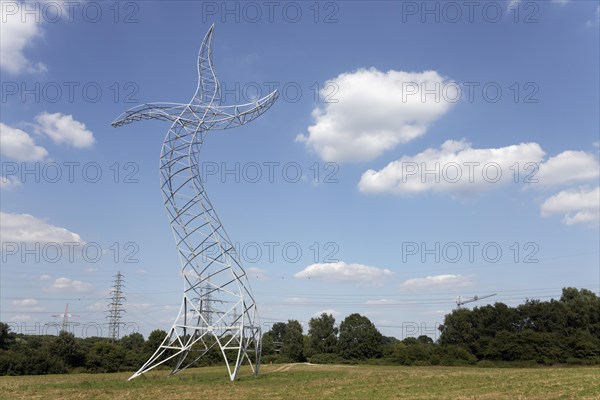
204, 110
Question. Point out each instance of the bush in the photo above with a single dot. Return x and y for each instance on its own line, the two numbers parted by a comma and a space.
105, 357
326, 358
486, 364
453, 355
583, 361
275, 359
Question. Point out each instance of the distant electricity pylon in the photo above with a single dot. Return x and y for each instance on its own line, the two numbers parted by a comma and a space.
65, 316
461, 302
115, 307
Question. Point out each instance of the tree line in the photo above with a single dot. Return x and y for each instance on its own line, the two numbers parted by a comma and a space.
564, 331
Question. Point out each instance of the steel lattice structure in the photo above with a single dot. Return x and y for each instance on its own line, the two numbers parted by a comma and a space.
218, 309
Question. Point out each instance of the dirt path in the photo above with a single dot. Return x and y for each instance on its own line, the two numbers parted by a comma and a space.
287, 367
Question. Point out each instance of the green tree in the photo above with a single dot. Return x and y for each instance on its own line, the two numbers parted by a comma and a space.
278, 331
322, 334
293, 342
134, 341
105, 357
7, 338
268, 348
67, 348
155, 339
581, 310
458, 329
359, 339
424, 339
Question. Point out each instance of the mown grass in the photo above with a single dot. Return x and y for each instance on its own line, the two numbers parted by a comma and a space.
300, 381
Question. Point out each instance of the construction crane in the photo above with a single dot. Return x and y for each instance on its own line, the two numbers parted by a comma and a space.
65, 316
461, 302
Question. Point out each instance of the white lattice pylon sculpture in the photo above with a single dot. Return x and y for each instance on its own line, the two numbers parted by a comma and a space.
218, 309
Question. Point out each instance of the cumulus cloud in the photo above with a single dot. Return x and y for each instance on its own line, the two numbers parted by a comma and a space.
18, 145
25, 302
455, 167
21, 318
595, 22
578, 206
63, 128
70, 285
342, 272
568, 167
27, 305
437, 281
29, 229
18, 33
370, 112
10, 182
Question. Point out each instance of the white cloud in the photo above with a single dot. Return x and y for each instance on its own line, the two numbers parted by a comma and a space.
370, 112
19, 31
437, 281
18, 145
95, 307
512, 4
592, 23
342, 272
21, 318
27, 228
437, 312
336, 314
579, 206
458, 168
69, 285
7, 183
45, 277
63, 128
89, 270
25, 302
568, 167
27, 305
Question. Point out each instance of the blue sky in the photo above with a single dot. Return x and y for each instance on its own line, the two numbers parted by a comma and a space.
368, 102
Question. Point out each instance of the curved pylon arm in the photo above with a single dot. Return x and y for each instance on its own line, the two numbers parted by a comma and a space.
225, 117
208, 91
161, 111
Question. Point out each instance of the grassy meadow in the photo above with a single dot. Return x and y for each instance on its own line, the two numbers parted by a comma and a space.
303, 381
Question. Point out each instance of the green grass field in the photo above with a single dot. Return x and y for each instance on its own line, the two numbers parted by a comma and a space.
301, 381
